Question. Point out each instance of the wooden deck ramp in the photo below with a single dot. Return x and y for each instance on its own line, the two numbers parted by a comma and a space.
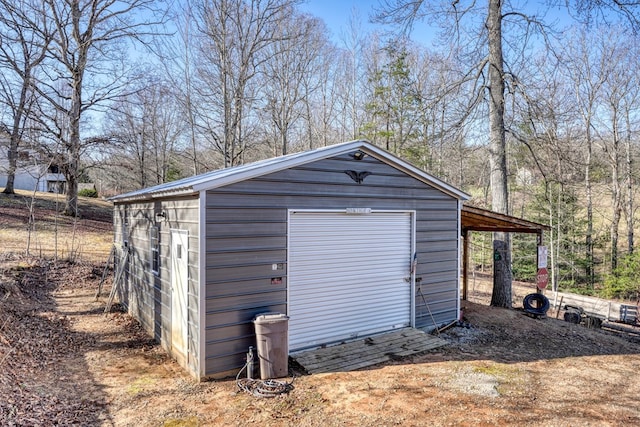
369, 351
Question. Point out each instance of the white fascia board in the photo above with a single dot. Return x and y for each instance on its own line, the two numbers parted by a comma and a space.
278, 164
223, 178
141, 196
323, 153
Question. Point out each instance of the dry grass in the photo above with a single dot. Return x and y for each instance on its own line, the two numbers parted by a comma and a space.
32, 224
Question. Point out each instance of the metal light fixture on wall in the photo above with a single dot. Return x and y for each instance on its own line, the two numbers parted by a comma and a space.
358, 155
161, 216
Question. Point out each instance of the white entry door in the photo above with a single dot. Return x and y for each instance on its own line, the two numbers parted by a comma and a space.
179, 283
348, 275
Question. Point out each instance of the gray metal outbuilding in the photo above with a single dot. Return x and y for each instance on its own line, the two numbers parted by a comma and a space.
347, 240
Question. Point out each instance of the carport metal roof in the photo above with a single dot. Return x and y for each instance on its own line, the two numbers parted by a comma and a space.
477, 219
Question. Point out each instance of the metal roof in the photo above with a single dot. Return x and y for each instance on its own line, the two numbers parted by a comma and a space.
222, 177
477, 219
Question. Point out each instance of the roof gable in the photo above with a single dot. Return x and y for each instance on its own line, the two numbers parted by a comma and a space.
223, 177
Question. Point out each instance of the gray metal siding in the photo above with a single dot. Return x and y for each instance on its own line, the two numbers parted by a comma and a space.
146, 295
246, 235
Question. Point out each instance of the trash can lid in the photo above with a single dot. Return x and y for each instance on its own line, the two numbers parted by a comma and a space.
270, 318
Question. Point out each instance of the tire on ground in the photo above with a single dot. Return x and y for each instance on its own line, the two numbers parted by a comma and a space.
572, 317
542, 304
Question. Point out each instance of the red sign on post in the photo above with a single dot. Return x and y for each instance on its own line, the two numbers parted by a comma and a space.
542, 278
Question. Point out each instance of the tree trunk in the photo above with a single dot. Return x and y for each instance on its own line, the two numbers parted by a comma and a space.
616, 201
615, 225
16, 133
12, 157
590, 271
629, 160
501, 274
501, 296
73, 145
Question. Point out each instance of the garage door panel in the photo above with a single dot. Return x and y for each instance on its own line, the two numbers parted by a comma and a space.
347, 275
306, 288
331, 252
335, 301
347, 280
338, 331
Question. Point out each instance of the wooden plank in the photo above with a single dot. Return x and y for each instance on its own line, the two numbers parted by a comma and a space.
361, 347
369, 351
608, 310
353, 362
344, 360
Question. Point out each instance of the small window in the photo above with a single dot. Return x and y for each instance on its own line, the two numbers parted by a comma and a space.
155, 249
125, 233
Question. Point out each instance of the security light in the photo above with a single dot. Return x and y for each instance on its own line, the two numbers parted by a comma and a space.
358, 155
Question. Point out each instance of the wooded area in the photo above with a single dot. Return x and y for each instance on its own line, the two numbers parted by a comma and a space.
534, 115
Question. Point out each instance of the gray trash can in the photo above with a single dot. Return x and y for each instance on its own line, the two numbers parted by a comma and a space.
272, 335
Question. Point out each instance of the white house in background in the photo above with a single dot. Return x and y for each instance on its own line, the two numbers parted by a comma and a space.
34, 171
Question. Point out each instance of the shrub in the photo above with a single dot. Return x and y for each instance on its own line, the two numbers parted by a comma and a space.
88, 192
624, 281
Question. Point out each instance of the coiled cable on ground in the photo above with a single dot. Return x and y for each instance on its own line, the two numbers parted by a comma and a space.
263, 388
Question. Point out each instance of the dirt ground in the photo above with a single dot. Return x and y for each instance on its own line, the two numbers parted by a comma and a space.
63, 362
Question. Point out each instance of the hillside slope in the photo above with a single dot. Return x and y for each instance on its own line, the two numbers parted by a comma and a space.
31, 223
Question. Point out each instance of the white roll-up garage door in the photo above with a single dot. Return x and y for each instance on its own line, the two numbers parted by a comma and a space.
347, 275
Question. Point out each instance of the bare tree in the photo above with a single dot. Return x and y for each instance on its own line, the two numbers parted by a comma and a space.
620, 98
291, 60
491, 68
496, 70
319, 85
146, 131
440, 137
234, 38
24, 42
592, 12
587, 58
631, 106
87, 68
178, 58
353, 83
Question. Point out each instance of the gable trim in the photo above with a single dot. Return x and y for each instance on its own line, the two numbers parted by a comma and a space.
224, 177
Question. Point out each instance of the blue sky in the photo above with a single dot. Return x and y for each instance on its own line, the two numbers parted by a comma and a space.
337, 13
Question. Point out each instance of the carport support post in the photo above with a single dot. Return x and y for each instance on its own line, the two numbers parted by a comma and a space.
539, 243
465, 263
